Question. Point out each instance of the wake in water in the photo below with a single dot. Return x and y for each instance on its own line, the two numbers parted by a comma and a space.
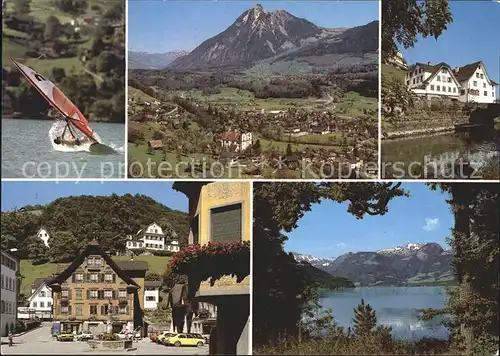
57, 130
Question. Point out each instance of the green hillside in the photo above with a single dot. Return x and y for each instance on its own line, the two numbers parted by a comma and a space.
391, 72
325, 280
73, 222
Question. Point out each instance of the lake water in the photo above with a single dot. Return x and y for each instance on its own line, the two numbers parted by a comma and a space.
478, 146
396, 307
27, 152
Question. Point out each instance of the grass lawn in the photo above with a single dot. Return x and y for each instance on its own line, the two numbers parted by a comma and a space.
44, 66
391, 72
266, 144
139, 94
30, 272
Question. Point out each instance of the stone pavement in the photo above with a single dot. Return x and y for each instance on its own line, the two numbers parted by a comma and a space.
40, 342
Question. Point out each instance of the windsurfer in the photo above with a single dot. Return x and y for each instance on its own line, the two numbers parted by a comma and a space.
70, 141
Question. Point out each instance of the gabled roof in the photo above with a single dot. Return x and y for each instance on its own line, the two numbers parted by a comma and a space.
38, 281
153, 284
437, 71
38, 288
42, 228
468, 70
92, 248
465, 72
231, 136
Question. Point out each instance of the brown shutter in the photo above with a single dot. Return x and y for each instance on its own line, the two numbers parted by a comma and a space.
73, 278
226, 223
88, 294
101, 277
114, 278
69, 293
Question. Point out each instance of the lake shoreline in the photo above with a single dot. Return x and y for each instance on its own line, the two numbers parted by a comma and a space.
398, 307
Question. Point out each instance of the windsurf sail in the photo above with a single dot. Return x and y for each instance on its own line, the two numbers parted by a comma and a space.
56, 98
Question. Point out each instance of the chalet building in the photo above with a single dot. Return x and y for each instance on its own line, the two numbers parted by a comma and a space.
43, 235
465, 84
433, 81
320, 130
475, 83
39, 303
398, 61
94, 290
10, 286
220, 212
154, 239
236, 141
155, 145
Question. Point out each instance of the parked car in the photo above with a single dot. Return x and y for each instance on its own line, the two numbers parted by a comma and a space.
65, 336
162, 338
84, 336
137, 334
185, 340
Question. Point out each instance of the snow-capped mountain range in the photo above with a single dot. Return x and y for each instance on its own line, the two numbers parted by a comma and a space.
408, 264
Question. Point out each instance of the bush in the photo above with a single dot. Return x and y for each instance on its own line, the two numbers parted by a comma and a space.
135, 135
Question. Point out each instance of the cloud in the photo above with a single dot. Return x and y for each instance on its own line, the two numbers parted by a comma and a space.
341, 245
431, 224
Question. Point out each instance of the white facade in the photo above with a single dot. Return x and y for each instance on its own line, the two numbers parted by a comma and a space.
433, 81
467, 83
152, 238
151, 294
478, 87
41, 301
398, 61
44, 236
240, 141
9, 293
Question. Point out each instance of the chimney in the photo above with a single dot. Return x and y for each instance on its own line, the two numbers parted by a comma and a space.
457, 69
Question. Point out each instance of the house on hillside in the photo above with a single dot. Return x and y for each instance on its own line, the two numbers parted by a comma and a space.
39, 303
236, 141
155, 145
43, 235
154, 239
398, 61
94, 289
320, 130
151, 294
468, 83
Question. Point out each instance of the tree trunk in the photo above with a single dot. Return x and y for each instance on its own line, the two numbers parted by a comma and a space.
461, 198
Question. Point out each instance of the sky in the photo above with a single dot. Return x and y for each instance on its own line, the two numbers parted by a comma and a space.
474, 35
19, 194
162, 26
329, 231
